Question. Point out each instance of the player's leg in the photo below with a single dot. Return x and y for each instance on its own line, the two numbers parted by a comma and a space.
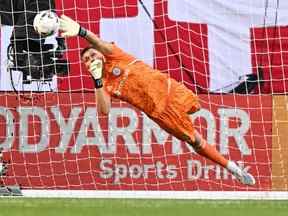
175, 120
180, 126
208, 151
201, 146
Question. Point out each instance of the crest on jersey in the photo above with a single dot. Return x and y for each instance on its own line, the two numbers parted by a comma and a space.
116, 71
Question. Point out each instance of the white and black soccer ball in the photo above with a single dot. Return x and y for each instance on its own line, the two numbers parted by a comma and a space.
46, 23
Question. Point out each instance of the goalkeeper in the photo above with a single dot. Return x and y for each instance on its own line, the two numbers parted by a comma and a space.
167, 102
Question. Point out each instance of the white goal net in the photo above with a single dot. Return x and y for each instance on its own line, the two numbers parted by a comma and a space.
234, 55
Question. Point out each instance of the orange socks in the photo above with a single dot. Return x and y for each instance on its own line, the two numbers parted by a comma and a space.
211, 153
208, 151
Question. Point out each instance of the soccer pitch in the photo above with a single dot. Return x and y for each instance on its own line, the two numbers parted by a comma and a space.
138, 207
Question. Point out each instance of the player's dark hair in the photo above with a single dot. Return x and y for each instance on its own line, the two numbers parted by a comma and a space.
83, 51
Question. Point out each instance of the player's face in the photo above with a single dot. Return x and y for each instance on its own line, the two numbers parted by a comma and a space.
90, 55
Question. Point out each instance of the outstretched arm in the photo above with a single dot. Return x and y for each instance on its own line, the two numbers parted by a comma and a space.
71, 28
102, 46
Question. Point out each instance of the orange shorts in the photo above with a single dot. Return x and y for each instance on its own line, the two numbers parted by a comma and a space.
175, 118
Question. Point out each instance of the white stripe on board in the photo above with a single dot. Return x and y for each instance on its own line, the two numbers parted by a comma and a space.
211, 195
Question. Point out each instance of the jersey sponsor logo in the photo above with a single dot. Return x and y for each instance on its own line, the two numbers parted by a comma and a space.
116, 71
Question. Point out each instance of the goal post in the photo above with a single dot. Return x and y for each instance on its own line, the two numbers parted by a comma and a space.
234, 56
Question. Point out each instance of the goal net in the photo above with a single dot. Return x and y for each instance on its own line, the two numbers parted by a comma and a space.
233, 55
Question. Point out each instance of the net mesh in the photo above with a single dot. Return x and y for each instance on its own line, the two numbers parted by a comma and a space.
53, 137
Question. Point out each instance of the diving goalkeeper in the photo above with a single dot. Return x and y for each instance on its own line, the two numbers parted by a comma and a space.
167, 102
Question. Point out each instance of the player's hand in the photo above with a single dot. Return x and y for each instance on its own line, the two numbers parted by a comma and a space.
68, 26
95, 70
71, 28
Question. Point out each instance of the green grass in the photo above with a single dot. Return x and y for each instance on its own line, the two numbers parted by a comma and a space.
137, 207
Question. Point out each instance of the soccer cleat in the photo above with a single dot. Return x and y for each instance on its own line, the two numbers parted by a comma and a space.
242, 175
245, 177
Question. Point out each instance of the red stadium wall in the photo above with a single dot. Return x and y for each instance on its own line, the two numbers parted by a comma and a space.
59, 142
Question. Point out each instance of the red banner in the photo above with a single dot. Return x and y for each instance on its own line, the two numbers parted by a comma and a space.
58, 141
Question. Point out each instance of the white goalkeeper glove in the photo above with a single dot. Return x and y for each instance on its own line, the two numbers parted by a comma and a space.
95, 69
71, 28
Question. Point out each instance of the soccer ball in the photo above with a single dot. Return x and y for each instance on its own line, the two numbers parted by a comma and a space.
46, 23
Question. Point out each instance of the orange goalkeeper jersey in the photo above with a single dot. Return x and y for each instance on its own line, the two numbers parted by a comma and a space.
163, 99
